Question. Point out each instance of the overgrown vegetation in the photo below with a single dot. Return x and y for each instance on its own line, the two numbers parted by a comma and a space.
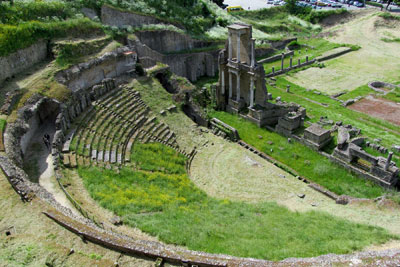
302, 159
159, 198
3, 123
22, 35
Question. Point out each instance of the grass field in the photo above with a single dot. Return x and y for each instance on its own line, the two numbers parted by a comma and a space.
315, 47
371, 127
302, 159
376, 60
167, 204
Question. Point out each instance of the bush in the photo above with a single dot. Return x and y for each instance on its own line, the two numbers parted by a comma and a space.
37, 10
139, 69
317, 16
15, 37
373, 4
293, 45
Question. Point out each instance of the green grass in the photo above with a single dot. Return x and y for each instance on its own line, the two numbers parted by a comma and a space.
320, 46
168, 205
3, 124
371, 127
363, 90
302, 159
24, 34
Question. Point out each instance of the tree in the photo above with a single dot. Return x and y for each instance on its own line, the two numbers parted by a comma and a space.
219, 2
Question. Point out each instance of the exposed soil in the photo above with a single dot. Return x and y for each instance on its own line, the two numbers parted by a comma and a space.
379, 108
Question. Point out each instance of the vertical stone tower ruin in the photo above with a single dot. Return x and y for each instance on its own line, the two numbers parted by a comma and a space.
242, 89
242, 82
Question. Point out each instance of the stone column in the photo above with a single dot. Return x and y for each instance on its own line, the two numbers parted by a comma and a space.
388, 160
298, 62
238, 87
238, 47
283, 59
251, 92
230, 46
222, 82
253, 53
273, 70
307, 59
291, 62
230, 85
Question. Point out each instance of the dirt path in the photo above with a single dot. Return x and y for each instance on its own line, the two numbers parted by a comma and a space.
45, 165
376, 60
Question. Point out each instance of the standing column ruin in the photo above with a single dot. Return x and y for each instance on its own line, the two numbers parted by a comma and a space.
237, 87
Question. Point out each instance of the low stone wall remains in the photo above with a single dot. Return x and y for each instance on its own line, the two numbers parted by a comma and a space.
276, 57
115, 17
282, 71
22, 60
166, 41
87, 74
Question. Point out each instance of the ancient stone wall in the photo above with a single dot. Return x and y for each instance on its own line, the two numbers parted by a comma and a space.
115, 17
22, 60
165, 41
85, 75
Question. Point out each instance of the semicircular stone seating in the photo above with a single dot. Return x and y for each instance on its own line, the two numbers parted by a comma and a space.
105, 133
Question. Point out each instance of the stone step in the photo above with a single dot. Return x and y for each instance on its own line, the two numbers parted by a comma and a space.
66, 160
94, 154
106, 156
68, 141
113, 158
100, 156
72, 159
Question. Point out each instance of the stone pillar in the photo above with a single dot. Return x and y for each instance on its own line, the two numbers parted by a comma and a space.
238, 87
238, 47
222, 82
230, 46
230, 84
283, 59
253, 53
251, 92
306, 59
388, 160
273, 70
291, 62
298, 62
288, 89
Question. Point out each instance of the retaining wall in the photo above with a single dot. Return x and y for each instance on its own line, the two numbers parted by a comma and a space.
165, 41
22, 60
115, 17
87, 74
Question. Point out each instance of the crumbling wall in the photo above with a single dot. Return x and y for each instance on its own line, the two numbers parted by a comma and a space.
166, 41
115, 17
22, 60
87, 74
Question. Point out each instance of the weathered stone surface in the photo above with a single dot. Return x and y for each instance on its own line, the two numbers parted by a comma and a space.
22, 60
343, 137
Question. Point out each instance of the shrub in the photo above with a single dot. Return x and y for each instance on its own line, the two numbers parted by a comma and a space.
373, 4
36, 10
317, 16
15, 37
294, 45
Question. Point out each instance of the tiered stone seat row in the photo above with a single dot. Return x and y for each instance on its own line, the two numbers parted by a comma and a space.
106, 132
